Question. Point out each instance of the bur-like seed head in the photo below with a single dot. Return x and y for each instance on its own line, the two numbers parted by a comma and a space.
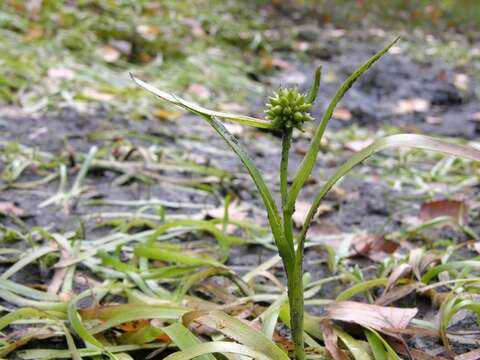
287, 108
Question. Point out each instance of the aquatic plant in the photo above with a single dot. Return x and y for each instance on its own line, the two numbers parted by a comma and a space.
288, 109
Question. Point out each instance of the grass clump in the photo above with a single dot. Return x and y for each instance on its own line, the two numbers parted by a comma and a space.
58, 54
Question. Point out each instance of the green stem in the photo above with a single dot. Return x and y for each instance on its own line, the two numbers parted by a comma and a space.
286, 143
312, 94
294, 274
296, 302
305, 168
287, 212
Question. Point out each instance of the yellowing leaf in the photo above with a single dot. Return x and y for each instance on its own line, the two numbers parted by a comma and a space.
167, 115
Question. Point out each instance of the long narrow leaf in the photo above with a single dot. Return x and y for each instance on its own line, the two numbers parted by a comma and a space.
360, 288
241, 119
184, 339
174, 256
237, 330
393, 141
380, 348
285, 248
430, 274
217, 347
353, 345
115, 315
308, 162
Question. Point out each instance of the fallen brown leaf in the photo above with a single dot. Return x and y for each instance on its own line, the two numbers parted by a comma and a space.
455, 209
397, 293
433, 120
399, 272
380, 318
421, 260
476, 247
9, 208
357, 145
471, 355
108, 53
475, 116
235, 129
236, 211
374, 246
148, 32
411, 105
342, 113
461, 82
331, 341
199, 91
34, 33
269, 62
151, 7
324, 229
301, 211
417, 354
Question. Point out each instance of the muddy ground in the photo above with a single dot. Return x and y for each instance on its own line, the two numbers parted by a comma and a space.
364, 205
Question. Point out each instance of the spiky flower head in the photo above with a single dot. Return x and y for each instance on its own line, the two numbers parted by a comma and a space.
288, 108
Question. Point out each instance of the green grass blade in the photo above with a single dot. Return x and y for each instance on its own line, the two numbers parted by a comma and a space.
237, 330
144, 335
22, 313
217, 347
43, 354
126, 313
308, 162
77, 324
26, 291
430, 274
286, 249
225, 241
380, 348
388, 142
360, 288
312, 94
353, 345
177, 257
29, 257
184, 339
173, 99
21, 301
